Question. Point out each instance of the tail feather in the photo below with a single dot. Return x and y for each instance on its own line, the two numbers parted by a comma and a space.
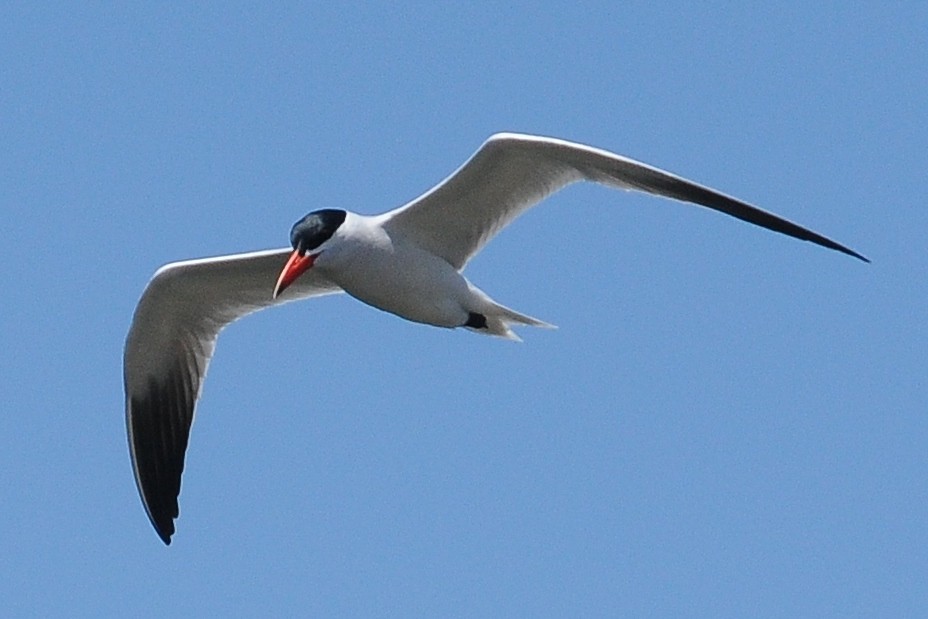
500, 319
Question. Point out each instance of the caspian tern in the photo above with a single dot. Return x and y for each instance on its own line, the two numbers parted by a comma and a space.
407, 261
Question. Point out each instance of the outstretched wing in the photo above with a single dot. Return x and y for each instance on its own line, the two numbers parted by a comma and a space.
170, 342
512, 172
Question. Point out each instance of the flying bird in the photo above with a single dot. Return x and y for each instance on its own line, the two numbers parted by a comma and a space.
407, 261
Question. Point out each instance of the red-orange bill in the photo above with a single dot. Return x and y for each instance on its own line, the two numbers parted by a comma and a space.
296, 266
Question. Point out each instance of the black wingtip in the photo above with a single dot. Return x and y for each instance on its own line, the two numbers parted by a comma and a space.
159, 427
665, 184
860, 257
841, 248
161, 521
164, 532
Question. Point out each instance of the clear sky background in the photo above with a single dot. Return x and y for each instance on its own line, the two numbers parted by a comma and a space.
728, 422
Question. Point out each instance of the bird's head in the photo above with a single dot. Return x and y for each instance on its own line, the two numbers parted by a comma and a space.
307, 236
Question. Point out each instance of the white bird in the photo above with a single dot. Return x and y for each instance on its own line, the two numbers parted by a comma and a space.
407, 261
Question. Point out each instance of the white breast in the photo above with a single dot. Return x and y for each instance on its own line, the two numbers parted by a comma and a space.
394, 275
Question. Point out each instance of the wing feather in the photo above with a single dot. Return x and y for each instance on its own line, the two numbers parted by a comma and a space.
168, 348
512, 172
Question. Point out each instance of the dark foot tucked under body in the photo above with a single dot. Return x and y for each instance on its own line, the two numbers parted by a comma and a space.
476, 321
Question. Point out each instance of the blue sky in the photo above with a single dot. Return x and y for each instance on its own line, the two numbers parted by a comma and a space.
728, 422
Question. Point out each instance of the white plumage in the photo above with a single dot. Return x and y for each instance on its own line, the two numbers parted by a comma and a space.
407, 261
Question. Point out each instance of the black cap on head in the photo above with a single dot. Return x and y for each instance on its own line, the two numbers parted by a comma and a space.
315, 229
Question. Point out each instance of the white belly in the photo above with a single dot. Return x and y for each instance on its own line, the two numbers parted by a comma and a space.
402, 280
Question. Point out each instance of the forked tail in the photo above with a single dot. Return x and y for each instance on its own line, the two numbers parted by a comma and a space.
498, 320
